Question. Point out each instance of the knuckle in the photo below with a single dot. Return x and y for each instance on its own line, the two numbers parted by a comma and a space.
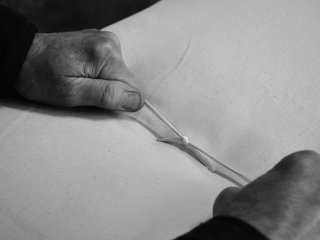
229, 190
106, 51
226, 192
223, 199
102, 47
304, 162
102, 44
112, 37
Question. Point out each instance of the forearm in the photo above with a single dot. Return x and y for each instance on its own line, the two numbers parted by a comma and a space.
223, 228
16, 38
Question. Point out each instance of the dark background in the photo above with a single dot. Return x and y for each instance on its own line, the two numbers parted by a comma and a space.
68, 15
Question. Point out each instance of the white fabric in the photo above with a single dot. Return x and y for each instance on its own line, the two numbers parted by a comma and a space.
239, 78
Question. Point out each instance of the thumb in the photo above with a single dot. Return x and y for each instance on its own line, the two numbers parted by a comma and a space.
109, 94
224, 199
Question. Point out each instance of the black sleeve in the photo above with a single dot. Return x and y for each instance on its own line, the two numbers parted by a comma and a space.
16, 35
224, 228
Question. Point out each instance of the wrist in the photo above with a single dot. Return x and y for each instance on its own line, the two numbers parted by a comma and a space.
36, 48
25, 80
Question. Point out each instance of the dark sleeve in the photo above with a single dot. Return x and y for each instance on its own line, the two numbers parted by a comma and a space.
224, 228
16, 35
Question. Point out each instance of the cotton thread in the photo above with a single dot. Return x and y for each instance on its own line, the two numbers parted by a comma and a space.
198, 152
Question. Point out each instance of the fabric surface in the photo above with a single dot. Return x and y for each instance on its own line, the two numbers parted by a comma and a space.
238, 78
16, 35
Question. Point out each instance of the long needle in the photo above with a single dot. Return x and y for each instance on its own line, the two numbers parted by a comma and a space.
193, 147
162, 118
223, 164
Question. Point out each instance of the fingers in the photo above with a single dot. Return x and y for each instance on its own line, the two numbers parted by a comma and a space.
111, 95
298, 172
224, 199
274, 201
303, 162
107, 50
88, 70
113, 87
115, 67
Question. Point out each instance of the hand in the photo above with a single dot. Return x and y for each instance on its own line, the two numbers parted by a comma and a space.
284, 203
82, 68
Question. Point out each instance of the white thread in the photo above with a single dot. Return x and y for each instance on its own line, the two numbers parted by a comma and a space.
236, 172
185, 140
162, 118
196, 150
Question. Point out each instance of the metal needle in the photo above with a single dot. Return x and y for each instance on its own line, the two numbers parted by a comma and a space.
197, 151
162, 118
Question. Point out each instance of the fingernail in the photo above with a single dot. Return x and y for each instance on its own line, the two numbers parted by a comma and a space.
130, 101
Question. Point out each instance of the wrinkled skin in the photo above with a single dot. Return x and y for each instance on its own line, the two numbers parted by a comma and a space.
83, 68
284, 203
